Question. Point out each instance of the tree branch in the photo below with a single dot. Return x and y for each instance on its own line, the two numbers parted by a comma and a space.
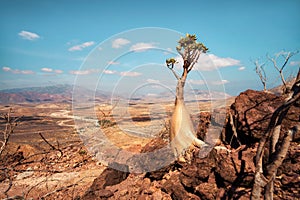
259, 68
175, 74
10, 125
274, 62
53, 147
273, 132
280, 154
195, 60
233, 129
286, 56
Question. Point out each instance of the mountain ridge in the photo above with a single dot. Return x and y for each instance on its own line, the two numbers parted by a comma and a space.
64, 93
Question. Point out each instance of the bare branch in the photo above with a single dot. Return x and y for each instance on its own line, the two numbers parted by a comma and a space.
273, 60
286, 56
259, 68
103, 113
280, 154
233, 129
175, 74
10, 124
108, 113
113, 107
273, 132
53, 147
195, 60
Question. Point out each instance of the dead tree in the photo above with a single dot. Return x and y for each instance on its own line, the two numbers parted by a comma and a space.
10, 125
105, 116
182, 134
265, 172
280, 67
259, 69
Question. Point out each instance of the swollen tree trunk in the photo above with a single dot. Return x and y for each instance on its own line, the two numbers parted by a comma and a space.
182, 134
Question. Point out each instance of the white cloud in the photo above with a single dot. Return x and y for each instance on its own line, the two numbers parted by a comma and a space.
196, 82
24, 72
119, 42
6, 69
138, 47
208, 62
80, 72
84, 72
241, 68
109, 72
294, 63
81, 46
45, 69
58, 71
26, 35
50, 70
220, 82
112, 63
17, 71
132, 74
152, 80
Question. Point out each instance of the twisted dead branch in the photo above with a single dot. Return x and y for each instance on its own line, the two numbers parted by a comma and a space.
10, 125
264, 176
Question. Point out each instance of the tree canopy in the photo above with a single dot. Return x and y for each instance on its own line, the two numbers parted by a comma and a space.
190, 50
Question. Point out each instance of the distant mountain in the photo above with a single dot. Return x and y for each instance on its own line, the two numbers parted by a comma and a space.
206, 95
192, 95
56, 93
64, 93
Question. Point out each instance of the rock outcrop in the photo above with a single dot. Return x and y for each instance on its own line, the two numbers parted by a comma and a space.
252, 111
225, 173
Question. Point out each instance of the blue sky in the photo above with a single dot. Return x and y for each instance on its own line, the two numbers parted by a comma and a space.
53, 42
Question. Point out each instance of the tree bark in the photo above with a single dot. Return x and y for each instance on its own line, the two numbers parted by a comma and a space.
182, 134
276, 157
180, 87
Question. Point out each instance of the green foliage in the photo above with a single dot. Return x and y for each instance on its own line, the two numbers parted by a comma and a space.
171, 61
82, 152
190, 50
189, 43
105, 123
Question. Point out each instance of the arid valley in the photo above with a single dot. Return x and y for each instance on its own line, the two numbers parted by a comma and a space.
46, 156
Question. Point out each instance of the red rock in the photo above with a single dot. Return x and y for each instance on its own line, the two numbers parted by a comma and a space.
252, 111
97, 194
207, 191
226, 172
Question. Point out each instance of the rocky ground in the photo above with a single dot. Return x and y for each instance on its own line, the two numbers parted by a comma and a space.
226, 172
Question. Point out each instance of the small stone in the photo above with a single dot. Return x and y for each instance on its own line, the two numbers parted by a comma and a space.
25, 174
123, 192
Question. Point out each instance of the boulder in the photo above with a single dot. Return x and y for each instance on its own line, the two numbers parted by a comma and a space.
252, 111
110, 176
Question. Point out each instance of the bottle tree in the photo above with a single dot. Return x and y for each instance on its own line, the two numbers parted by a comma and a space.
182, 135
